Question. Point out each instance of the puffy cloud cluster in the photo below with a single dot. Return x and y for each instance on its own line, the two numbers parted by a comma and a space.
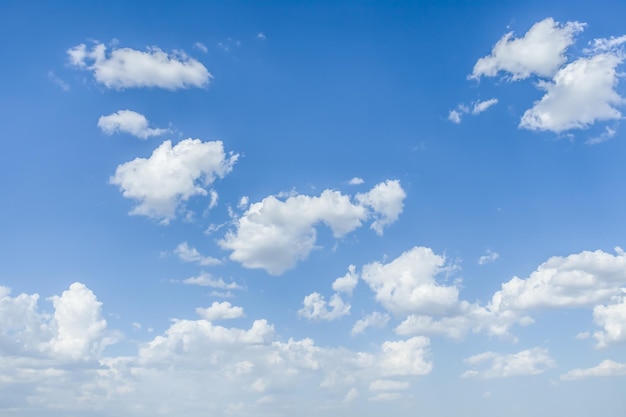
577, 94
527, 362
128, 68
275, 234
128, 121
189, 254
171, 175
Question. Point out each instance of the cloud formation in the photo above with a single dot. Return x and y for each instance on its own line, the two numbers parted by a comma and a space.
128, 68
131, 122
527, 362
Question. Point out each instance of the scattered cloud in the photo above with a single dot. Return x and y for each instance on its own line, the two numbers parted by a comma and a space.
220, 311
58, 81
541, 51
481, 106
206, 280
275, 234
603, 137
356, 181
163, 182
406, 357
606, 368
201, 47
456, 115
261, 36
348, 282
375, 319
527, 362
489, 257
131, 122
129, 68
388, 385
612, 319
315, 307
189, 254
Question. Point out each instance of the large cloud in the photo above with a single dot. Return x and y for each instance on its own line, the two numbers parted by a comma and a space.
127, 68
275, 234
541, 51
172, 175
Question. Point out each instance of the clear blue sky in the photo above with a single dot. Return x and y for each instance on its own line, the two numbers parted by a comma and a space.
312, 208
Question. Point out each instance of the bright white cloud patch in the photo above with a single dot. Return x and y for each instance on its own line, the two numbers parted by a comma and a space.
481, 106
408, 285
612, 319
220, 311
406, 357
128, 68
190, 254
527, 362
606, 368
315, 307
580, 94
128, 121
172, 175
275, 234
541, 51
356, 181
376, 319
348, 282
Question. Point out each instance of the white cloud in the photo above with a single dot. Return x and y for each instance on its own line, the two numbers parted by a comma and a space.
579, 280
612, 318
407, 284
206, 280
386, 199
130, 122
580, 94
128, 68
58, 81
455, 116
356, 181
201, 47
406, 357
220, 311
172, 175
375, 319
348, 282
603, 137
541, 51
315, 307
190, 254
275, 234
481, 106
261, 36
489, 257
606, 368
527, 362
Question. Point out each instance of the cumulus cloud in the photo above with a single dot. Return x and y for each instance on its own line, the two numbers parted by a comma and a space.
171, 175
376, 319
356, 181
541, 51
606, 368
579, 95
406, 357
275, 234
455, 116
128, 68
348, 282
128, 121
527, 362
612, 319
315, 307
190, 254
489, 257
206, 280
408, 285
220, 311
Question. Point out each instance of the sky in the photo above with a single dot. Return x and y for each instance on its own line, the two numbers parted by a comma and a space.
312, 208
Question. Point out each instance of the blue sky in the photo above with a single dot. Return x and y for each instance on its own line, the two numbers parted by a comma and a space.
321, 208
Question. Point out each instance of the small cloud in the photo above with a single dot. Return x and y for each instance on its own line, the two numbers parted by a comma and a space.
454, 116
481, 106
189, 254
261, 36
583, 335
201, 47
356, 181
603, 137
489, 257
206, 280
64, 86
128, 121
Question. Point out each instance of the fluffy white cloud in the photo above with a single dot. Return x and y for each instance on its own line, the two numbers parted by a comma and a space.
455, 116
128, 68
190, 254
603, 369
387, 201
275, 234
220, 311
407, 284
206, 280
580, 94
376, 319
541, 51
612, 318
406, 357
527, 362
579, 280
356, 181
172, 175
128, 121
481, 106
315, 307
348, 282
